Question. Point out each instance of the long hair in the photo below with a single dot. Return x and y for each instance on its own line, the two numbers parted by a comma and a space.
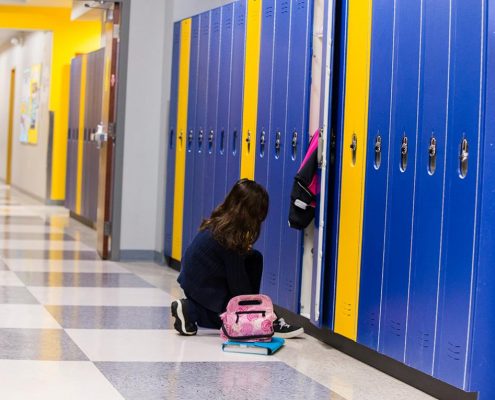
236, 223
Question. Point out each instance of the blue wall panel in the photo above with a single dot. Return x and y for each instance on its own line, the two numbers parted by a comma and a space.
191, 134
225, 80
428, 199
211, 134
459, 228
236, 95
401, 179
274, 221
375, 196
264, 103
296, 140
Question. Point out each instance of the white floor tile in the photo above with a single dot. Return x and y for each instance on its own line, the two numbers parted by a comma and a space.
9, 278
43, 245
64, 266
29, 229
153, 346
89, 296
54, 380
29, 316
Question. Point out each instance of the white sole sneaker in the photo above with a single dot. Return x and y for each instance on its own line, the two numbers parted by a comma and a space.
290, 335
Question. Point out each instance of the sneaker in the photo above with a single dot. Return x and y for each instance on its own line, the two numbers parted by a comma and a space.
284, 330
182, 323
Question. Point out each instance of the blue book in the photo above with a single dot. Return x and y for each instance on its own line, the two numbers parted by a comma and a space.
264, 348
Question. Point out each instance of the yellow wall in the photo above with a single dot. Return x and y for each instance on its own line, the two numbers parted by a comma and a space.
69, 38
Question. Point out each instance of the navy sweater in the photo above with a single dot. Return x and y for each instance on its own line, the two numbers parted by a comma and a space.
212, 274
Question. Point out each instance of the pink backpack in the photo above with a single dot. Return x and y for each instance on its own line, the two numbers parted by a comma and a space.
248, 318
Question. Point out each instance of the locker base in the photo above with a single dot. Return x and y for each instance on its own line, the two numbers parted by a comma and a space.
174, 264
83, 220
402, 372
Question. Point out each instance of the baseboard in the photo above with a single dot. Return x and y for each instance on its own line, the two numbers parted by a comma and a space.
83, 220
174, 264
142, 255
27, 193
389, 366
50, 202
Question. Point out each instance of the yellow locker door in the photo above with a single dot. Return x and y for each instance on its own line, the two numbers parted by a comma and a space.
353, 166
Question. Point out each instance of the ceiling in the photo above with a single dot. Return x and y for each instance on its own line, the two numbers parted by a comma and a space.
6, 35
37, 3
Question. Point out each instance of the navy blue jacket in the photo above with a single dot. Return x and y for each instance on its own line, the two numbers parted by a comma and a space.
212, 274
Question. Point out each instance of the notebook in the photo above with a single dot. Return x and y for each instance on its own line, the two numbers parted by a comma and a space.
264, 348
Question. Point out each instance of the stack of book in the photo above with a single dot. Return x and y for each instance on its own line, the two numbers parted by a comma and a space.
264, 348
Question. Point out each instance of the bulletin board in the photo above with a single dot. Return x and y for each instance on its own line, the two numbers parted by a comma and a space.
30, 104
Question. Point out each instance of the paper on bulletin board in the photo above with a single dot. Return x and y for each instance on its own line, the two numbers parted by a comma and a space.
30, 102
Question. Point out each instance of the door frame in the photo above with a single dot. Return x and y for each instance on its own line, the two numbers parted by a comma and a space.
10, 130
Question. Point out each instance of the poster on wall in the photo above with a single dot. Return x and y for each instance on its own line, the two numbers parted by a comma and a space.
30, 102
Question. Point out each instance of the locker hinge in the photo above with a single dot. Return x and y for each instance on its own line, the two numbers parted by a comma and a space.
116, 31
107, 228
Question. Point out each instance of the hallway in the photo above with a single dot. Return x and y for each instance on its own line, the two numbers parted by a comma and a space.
74, 327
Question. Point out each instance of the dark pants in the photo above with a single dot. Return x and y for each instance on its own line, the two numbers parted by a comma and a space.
210, 319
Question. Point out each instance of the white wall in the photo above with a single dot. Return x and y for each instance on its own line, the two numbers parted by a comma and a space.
147, 104
29, 162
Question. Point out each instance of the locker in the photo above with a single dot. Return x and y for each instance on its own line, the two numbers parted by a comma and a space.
236, 94
265, 94
274, 221
401, 168
225, 81
81, 136
353, 166
251, 82
296, 140
376, 172
169, 199
461, 197
427, 224
183, 97
191, 134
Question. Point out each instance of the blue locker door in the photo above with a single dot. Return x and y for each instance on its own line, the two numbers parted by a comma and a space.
375, 196
459, 230
225, 79
274, 221
264, 102
401, 179
428, 199
191, 134
296, 140
212, 111
169, 200
236, 95
201, 145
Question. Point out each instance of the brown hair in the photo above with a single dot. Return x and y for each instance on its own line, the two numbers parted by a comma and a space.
236, 223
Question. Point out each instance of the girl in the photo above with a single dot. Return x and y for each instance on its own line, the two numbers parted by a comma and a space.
220, 263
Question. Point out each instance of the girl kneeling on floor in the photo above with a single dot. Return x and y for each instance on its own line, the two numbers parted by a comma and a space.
220, 263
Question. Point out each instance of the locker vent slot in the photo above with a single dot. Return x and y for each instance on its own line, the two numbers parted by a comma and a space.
206, 29
241, 19
454, 351
372, 319
195, 33
301, 4
424, 340
396, 328
216, 26
284, 7
228, 23
347, 309
269, 12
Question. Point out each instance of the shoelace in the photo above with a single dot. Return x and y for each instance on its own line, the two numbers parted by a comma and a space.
282, 324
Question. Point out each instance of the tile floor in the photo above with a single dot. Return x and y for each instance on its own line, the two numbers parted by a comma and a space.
75, 327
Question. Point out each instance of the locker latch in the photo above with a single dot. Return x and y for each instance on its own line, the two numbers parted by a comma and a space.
278, 144
432, 156
463, 158
378, 152
262, 143
190, 138
404, 149
354, 148
248, 141
181, 134
294, 145
210, 141
200, 138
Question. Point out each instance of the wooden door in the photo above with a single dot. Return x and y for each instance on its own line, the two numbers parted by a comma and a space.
8, 177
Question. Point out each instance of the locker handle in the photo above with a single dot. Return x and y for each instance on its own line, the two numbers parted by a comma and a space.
294, 145
248, 141
432, 156
222, 141
378, 151
333, 148
262, 143
404, 150
171, 140
200, 140
278, 144
464, 158
181, 135
210, 141
190, 138
353, 147
234, 143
